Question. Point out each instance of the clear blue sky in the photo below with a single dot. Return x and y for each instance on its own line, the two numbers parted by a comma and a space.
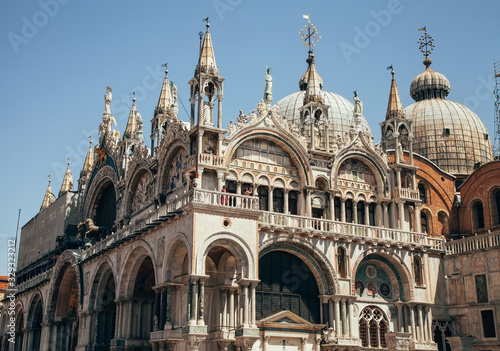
57, 60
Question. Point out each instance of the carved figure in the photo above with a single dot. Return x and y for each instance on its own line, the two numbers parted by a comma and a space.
107, 101
268, 95
358, 105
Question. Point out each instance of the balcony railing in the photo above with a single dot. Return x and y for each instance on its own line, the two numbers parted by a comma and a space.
472, 243
356, 185
408, 194
360, 232
220, 199
211, 160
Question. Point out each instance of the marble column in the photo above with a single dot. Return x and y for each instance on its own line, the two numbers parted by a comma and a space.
416, 215
338, 327
270, 199
219, 111
285, 206
355, 212
231, 308
342, 209
367, 213
412, 322
201, 302
332, 206
420, 324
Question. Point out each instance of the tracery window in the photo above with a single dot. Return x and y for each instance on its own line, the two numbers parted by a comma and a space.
372, 327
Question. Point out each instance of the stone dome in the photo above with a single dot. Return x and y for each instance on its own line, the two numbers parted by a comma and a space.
449, 134
340, 113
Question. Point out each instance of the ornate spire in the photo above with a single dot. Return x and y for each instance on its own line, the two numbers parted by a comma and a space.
207, 57
67, 184
426, 46
132, 123
89, 160
49, 198
165, 101
314, 82
311, 82
394, 107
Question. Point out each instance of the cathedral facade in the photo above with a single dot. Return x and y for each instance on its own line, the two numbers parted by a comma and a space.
290, 229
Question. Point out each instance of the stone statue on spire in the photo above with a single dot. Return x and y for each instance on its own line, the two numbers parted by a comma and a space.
107, 101
268, 95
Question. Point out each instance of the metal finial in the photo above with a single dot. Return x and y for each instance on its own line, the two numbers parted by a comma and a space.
392, 70
206, 20
49, 178
426, 43
69, 160
165, 65
309, 36
90, 137
133, 94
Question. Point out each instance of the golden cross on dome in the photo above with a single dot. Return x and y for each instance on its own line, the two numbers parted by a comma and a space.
426, 43
310, 35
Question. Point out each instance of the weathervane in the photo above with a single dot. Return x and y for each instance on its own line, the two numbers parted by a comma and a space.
310, 35
165, 65
426, 43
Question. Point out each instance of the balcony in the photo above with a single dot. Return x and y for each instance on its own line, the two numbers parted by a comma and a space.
347, 231
472, 243
407, 194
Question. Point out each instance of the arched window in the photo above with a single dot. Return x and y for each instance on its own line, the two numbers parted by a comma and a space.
417, 270
477, 215
424, 228
422, 193
443, 220
372, 327
341, 262
495, 206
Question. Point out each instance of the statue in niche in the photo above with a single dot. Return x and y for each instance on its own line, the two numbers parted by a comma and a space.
107, 101
174, 93
139, 126
268, 95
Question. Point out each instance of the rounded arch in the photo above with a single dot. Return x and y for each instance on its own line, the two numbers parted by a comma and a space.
67, 262
106, 270
263, 179
104, 177
279, 182
165, 162
426, 221
34, 321
247, 177
288, 143
386, 256
131, 268
317, 262
36, 299
245, 260
177, 261
322, 183
139, 188
477, 214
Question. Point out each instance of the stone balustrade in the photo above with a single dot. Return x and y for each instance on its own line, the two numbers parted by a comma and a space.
325, 227
472, 243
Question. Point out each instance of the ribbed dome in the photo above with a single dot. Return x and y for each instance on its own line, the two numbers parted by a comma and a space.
340, 113
449, 134
429, 85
